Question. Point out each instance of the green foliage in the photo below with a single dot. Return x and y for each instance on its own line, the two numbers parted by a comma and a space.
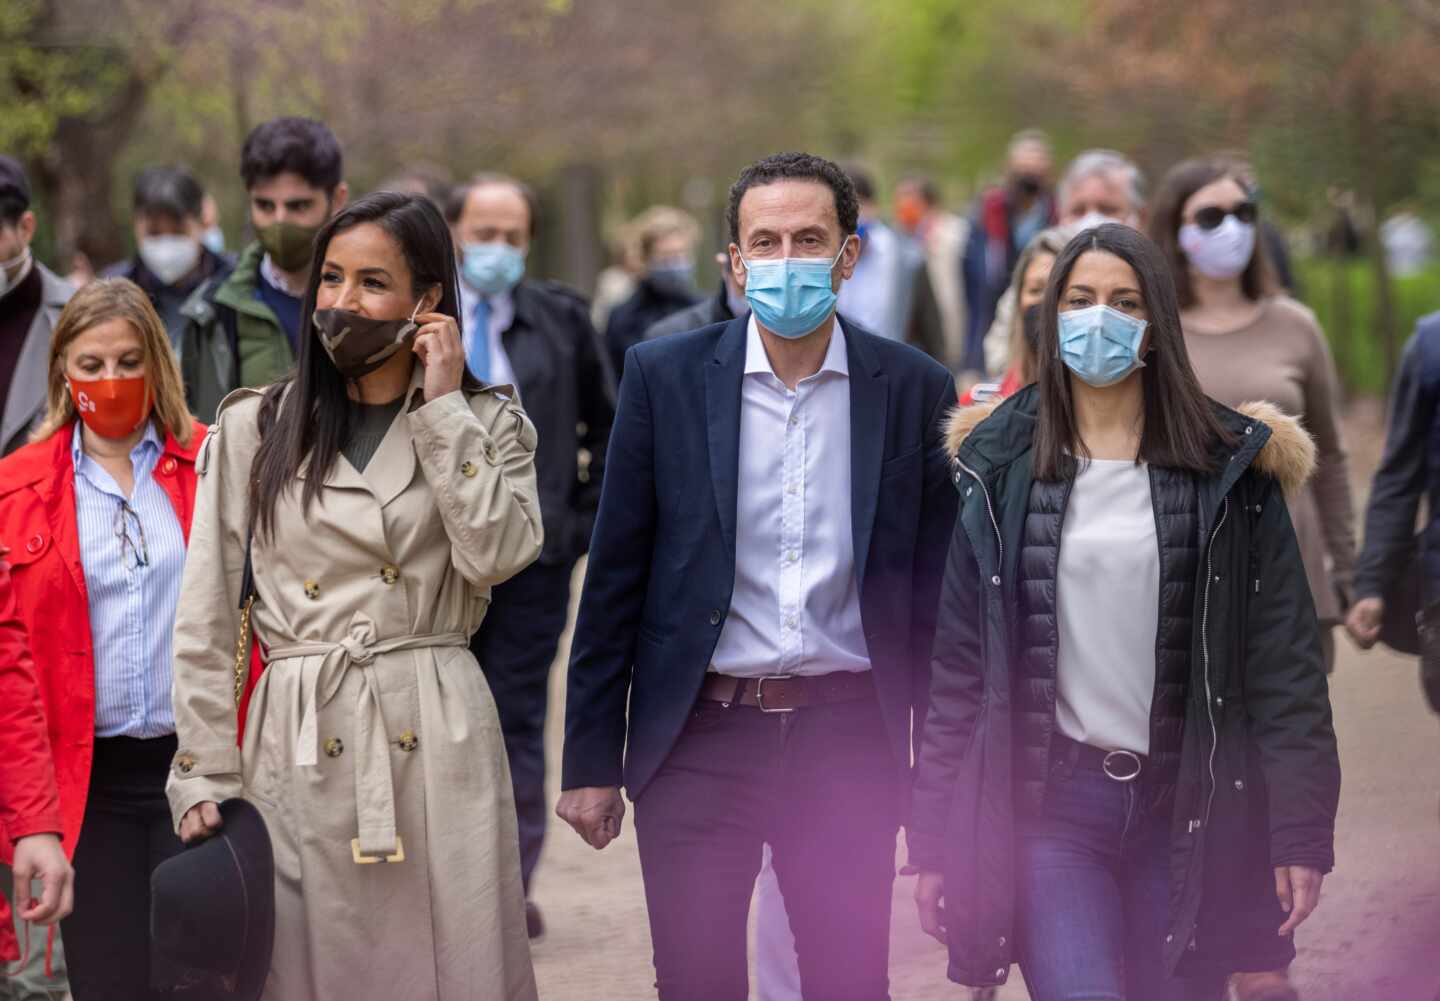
1342, 294
43, 81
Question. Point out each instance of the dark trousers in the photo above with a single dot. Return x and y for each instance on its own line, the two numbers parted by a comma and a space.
821, 787
126, 833
515, 646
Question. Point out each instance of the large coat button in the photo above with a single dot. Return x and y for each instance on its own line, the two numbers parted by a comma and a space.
168, 466
334, 747
312, 590
715, 616
389, 573
185, 764
35, 544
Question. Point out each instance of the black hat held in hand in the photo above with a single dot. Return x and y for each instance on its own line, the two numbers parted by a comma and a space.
212, 911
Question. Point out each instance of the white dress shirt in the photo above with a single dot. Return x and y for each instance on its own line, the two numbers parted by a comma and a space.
502, 314
796, 605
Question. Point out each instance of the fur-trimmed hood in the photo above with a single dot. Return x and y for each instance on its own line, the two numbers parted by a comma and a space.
1288, 455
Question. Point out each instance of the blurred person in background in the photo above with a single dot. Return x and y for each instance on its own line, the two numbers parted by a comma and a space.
1032, 271
243, 329
30, 821
942, 235
1099, 186
1277, 246
1394, 564
889, 293
422, 178
171, 259
1247, 342
31, 298
536, 336
728, 303
616, 281
96, 511
1004, 220
214, 235
667, 238
1409, 242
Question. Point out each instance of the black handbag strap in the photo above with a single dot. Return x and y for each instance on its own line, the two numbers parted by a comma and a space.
247, 576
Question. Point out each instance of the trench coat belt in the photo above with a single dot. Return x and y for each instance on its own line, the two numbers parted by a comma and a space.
374, 784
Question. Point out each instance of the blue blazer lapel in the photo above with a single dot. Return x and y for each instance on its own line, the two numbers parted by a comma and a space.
723, 377
869, 404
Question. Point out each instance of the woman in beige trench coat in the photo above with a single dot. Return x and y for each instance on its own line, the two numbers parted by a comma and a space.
372, 746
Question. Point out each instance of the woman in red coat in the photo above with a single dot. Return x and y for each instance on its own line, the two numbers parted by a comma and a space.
96, 512
29, 805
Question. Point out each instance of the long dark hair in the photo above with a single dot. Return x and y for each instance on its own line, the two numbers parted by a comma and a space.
306, 416
1181, 426
1256, 281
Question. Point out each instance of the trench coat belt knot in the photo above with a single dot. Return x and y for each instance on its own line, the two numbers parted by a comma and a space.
374, 785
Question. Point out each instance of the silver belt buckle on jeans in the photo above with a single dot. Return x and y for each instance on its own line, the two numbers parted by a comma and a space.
760, 693
1122, 766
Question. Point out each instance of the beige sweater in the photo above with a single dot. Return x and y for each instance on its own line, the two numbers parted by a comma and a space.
1282, 358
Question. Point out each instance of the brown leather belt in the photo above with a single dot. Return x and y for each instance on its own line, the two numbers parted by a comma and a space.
783, 694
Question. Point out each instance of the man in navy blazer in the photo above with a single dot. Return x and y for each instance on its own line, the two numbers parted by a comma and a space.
755, 626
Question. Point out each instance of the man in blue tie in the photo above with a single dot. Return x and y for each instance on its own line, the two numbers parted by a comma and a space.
755, 629
537, 337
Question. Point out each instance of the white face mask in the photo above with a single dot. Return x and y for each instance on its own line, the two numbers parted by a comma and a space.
170, 258
1221, 253
19, 265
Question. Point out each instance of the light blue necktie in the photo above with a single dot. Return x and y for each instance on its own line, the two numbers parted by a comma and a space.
477, 358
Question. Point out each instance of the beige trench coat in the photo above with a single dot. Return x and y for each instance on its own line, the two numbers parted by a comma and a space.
372, 731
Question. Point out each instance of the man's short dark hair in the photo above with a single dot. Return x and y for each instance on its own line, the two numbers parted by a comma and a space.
14, 191
295, 146
11, 209
171, 190
460, 194
863, 181
795, 167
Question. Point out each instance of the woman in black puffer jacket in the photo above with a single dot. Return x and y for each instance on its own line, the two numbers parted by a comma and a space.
1128, 775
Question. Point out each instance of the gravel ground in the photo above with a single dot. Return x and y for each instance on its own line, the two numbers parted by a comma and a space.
1376, 936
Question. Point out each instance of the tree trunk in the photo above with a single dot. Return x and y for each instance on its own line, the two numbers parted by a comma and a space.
576, 231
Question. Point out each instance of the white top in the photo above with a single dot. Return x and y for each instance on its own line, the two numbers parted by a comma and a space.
796, 606
502, 314
1107, 595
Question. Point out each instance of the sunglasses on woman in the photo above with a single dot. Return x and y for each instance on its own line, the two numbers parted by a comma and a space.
1212, 215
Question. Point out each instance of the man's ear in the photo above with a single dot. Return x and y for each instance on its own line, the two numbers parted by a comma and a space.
26, 227
737, 267
340, 197
849, 256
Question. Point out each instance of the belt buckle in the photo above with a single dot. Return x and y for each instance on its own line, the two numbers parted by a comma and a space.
760, 693
1131, 762
398, 856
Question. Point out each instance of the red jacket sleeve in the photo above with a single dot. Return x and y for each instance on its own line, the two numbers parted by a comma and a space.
29, 803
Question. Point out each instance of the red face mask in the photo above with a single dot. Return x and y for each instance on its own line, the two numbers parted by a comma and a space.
112, 408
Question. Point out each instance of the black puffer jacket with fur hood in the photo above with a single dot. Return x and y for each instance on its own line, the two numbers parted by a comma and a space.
1257, 777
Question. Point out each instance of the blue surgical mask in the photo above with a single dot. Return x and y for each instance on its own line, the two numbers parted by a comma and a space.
791, 296
492, 268
1101, 345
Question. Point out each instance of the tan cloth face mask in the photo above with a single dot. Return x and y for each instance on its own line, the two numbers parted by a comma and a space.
358, 345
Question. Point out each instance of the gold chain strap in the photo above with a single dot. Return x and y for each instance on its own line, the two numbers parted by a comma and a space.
242, 649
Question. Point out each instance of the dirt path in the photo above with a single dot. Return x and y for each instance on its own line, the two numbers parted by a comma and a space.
1376, 936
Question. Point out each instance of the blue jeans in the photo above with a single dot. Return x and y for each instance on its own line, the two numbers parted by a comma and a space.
1094, 890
